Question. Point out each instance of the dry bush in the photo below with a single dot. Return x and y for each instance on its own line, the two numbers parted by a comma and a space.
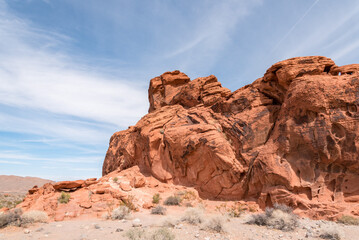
233, 211
33, 217
193, 216
115, 179
11, 218
156, 198
170, 222
172, 201
159, 210
162, 234
348, 220
136, 234
215, 224
121, 212
129, 202
64, 198
280, 217
330, 233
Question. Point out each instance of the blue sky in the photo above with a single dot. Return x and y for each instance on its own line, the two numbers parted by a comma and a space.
73, 72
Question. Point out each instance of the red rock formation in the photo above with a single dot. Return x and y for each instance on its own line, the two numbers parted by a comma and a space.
290, 137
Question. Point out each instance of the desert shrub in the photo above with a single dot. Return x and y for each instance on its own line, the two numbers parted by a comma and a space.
330, 233
162, 234
120, 213
193, 216
170, 222
349, 220
215, 224
156, 198
64, 198
135, 234
283, 208
11, 218
187, 195
33, 217
279, 217
115, 179
159, 210
129, 202
234, 211
172, 200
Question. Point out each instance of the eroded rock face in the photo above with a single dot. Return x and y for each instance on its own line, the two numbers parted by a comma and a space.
290, 137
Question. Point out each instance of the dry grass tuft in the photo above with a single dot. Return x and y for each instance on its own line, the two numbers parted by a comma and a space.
172, 201
215, 224
11, 218
34, 217
280, 217
136, 234
162, 234
348, 220
120, 213
193, 216
158, 210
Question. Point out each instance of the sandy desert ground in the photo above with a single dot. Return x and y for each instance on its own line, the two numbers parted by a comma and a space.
234, 228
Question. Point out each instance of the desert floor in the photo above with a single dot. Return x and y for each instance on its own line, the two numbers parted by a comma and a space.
235, 228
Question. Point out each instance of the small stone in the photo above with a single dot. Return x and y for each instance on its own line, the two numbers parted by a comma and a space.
119, 230
136, 223
39, 229
26, 231
96, 226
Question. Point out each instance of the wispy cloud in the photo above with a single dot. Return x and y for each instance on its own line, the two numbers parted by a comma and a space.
26, 157
14, 162
294, 25
36, 75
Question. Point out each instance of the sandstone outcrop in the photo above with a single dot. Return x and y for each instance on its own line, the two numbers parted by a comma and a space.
289, 137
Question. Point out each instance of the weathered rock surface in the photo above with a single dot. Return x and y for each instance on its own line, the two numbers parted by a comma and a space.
289, 137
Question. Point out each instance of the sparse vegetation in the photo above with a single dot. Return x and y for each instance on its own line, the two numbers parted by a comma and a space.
115, 179
330, 233
135, 234
280, 217
170, 222
121, 212
162, 234
156, 198
10, 200
64, 198
231, 211
193, 216
348, 220
129, 202
11, 218
187, 195
33, 217
172, 201
159, 210
215, 224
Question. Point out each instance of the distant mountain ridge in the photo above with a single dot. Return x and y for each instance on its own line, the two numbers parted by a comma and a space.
17, 184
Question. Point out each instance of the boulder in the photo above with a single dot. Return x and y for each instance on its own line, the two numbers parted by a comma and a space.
290, 137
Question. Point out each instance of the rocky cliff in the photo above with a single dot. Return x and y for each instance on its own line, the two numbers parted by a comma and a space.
289, 137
